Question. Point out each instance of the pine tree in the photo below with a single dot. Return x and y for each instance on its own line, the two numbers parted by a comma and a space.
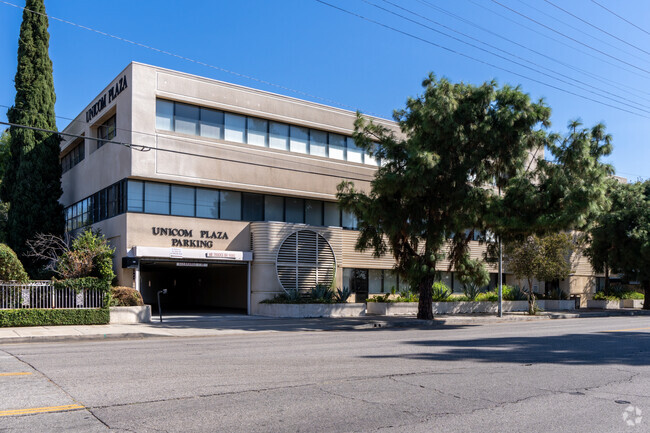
32, 181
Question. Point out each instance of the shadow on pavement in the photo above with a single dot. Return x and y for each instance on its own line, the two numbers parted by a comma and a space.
627, 348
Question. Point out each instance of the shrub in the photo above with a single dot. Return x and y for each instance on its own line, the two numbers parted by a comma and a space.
632, 295
487, 297
51, 317
471, 290
10, 267
601, 296
79, 284
321, 293
558, 294
440, 291
407, 296
342, 295
125, 297
515, 293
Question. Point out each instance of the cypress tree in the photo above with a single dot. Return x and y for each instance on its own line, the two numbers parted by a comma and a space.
32, 181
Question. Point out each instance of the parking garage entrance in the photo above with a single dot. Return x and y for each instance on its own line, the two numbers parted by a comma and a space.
195, 286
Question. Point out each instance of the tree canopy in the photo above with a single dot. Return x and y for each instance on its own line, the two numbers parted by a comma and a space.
620, 239
469, 157
32, 177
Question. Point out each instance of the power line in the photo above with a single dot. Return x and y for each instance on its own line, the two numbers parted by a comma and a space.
198, 62
617, 15
571, 38
145, 148
596, 27
511, 54
475, 59
618, 86
561, 42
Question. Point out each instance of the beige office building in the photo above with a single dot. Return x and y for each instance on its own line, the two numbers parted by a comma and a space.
222, 194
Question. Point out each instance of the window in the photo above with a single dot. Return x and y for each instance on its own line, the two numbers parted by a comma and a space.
182, 200
390, 281
375, 279
104, 204
314, 212
135, 201
295, 210
370, 160
106, 131
186, 119
257, 131
207, 203
156, 198
74, 157
211, 123
332, 214
164, 115
273, 208
337, 146
230, 205
354, 153
317, 142
349, 220
235, 128
252, 207
299, 139
278, 136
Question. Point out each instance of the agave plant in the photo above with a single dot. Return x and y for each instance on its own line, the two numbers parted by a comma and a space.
471, 290
342, 295
440, 291
321, 293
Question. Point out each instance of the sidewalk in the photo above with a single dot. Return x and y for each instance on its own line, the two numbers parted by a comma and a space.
202, 325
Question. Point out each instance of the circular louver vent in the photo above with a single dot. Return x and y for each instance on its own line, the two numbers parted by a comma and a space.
304, 260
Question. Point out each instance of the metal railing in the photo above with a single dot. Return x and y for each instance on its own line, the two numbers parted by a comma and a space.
43, 294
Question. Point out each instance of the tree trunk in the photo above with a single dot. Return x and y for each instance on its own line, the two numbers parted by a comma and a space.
646, 290
425, 305
531, 298
606, 279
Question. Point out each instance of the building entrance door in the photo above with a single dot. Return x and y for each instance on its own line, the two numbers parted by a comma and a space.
360, 284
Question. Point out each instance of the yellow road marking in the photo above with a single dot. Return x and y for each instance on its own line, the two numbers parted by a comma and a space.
40, 410
630, 329
23, 373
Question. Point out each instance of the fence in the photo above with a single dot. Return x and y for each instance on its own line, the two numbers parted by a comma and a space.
43, 294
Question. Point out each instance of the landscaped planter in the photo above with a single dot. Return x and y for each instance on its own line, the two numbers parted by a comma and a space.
463, 307
130, 314
554, 304
632, 303
311, 310
604, 304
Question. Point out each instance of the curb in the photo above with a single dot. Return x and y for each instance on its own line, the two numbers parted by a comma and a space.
86, 337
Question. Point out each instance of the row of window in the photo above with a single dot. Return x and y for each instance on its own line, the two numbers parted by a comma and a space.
206, 122
102, 205
179, 200
74, 157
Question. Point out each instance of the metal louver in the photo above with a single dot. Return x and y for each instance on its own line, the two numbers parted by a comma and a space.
304, 260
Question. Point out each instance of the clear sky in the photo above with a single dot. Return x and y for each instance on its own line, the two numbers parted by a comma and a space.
583, 60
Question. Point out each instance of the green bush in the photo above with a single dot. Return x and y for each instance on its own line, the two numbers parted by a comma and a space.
79, 284
487, 297
511, 293
125, 297
10, 267
601, 296
440, 291
342, 295
321, 293
632, 295
51, 317
471, 290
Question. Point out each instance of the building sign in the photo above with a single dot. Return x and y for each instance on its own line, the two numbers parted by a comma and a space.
184, 238
229, 255
111, 94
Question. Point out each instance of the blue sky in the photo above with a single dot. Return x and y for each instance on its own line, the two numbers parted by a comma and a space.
309, 47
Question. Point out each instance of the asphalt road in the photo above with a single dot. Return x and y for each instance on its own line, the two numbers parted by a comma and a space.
582, 375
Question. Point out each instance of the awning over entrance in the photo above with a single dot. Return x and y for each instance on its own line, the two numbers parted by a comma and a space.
186, 253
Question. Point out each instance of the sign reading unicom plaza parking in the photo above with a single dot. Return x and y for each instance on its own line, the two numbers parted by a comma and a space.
185, 238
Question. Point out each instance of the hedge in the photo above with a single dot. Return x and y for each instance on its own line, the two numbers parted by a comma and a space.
79, 284
50, 317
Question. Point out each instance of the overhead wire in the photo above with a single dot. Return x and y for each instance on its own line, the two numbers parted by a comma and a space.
622, 18
600, 78
561, 42
596, 27
198, 62
563, 76
570, 37
427, 41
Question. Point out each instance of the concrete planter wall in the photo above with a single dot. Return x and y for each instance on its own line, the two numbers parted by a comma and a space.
553, 304
632, 303
130, 314
604, 304
464, 307
311, 310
